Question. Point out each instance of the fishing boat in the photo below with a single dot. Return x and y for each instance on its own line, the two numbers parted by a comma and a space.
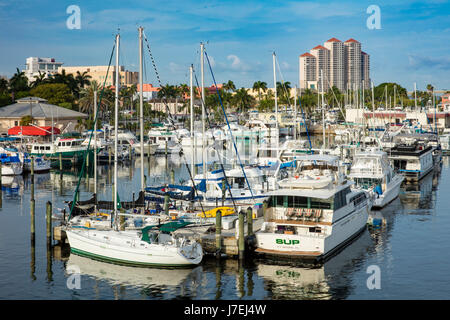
372, 171
314, 213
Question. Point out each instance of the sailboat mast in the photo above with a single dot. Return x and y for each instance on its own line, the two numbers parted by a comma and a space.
95, 148
116, 124
415, 98
191, 70
323, 109
373, 110
141, 108
276, 99
203, 109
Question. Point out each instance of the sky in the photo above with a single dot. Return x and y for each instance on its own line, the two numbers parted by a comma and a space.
411, 45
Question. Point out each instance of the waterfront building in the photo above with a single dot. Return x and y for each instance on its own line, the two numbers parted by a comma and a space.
42, 113
322, 55
101, 74
308, 76
337, 63
353, 63
47, 66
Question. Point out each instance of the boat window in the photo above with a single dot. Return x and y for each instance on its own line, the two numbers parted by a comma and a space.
59, 144
41, 148
320, 203
315, 230
340, 199
47, 148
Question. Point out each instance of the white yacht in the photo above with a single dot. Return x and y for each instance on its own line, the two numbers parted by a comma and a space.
164, 139
372, 171
314, 213
413, 160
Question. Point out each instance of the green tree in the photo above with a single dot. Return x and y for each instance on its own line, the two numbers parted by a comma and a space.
242, 100
26, 120
260, 86
229, 86
54, 93
38, 80
83, 79
18, 82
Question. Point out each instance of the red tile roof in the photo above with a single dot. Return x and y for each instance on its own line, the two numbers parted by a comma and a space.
334, 40
351, 40
320, 47
307, 54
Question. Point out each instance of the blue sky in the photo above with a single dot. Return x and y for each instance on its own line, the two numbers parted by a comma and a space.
412, 45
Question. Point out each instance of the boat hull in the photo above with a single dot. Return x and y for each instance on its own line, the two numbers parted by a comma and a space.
152, 256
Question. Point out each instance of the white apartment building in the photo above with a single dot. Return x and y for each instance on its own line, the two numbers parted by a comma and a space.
34, 65
337, 63
307, 72
365, 70
322, 55
344, 65
353, 60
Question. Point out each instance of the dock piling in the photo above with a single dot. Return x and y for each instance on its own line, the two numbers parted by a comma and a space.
241, 241
249, 221
218, 233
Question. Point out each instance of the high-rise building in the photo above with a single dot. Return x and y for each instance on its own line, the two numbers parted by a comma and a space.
34, 65
337, 62
353, 63
344, 66
322, 55
307, 72
365, 70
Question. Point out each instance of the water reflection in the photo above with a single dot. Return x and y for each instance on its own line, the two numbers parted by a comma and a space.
151, 282
330, 281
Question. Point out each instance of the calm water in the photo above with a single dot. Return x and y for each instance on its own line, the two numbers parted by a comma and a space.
412, 250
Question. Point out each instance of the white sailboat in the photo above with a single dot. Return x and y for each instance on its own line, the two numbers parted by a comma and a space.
145, 247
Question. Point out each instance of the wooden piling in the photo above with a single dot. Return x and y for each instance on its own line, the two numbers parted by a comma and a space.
241, 241
218, 233
223, 192
172, 176
32, 204
60, 162
249, 221
166, 203
129, 152
265, 210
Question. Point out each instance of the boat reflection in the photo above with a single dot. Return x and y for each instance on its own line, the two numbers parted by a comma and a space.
330, 281
149, 278
419, 198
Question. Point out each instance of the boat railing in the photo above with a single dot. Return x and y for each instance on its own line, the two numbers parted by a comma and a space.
296, 214
364, 171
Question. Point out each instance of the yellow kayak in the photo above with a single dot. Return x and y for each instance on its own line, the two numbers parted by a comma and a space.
226, 211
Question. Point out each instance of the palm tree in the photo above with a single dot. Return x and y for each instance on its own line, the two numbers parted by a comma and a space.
3, 85
430, 87
243, 100
67, 79
86, 102
260, 85
18, 82
39, 79
83, 79
229, 86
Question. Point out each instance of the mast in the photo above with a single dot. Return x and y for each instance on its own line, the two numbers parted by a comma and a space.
203, 109
373, 111
415, 98
95, 150
116, 124
295, 114
191, 69
141, 108
276, 99
323, 109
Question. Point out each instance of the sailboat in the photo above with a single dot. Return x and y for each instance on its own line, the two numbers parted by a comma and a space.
145, 247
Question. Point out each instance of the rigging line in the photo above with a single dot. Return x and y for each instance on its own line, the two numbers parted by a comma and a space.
282, 83
171, 121
229, 128
170, 118
214, 139
90, 136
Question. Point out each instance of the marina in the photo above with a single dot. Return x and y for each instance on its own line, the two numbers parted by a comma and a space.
196, 152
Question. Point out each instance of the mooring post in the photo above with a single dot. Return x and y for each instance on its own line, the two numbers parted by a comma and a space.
172, 176
218, 233
223, 192
109, 155
166, 203
249, 221
241, 243
129, 151
49, 222
32, 204
60, 162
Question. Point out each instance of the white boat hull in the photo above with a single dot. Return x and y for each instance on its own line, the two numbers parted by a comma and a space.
93, 244
389, 195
